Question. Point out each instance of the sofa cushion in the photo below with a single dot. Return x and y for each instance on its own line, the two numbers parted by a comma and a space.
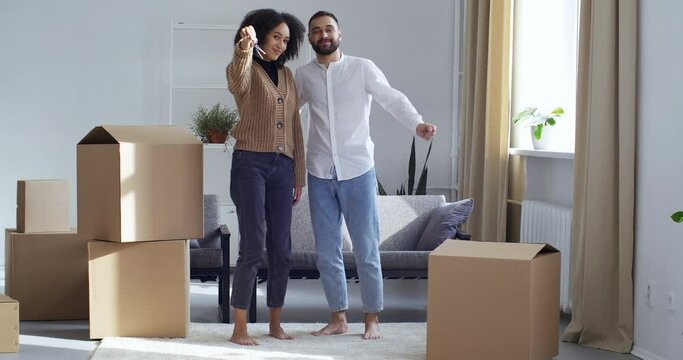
302, 230
402, 219
212, 218
444, 223
206, 258
390, 260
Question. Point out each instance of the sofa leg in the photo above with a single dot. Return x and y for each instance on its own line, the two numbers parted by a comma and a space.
252, 307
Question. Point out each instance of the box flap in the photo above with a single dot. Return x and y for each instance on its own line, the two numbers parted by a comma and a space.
6, 299
139, 134
491, 250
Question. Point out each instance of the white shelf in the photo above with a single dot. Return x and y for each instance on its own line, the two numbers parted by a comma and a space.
552, 154
214, 146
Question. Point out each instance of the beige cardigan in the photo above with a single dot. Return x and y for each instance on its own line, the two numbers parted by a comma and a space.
269, 114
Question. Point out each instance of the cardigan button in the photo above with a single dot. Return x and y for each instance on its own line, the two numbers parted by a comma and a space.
280, 100
280, 147
280, 125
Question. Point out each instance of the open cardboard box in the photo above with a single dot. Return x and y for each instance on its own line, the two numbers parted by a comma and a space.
140, 183
491, 300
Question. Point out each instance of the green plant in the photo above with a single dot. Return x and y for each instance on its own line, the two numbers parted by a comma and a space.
537, 119
219, 120
421, 188
677, 216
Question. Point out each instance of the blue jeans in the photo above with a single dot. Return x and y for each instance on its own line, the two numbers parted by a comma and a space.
356, 200
261, 187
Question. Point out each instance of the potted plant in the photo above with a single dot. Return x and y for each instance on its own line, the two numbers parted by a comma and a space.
214, 125
421, 188
537, 121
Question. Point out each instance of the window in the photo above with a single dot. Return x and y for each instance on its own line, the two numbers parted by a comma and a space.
544, 68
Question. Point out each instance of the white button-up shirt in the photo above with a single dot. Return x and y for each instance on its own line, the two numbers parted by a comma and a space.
339, 99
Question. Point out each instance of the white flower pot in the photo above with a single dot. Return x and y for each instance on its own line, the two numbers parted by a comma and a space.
542, 144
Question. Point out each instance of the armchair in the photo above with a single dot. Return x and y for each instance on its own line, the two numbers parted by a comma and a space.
209, 254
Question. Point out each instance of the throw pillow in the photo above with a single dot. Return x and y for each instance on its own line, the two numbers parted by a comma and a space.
444, 223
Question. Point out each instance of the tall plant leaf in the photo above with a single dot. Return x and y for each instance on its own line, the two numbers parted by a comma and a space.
380, 188
422, 183
677, 216
411, 169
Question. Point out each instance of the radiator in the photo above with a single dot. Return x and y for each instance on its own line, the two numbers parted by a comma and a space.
543, 222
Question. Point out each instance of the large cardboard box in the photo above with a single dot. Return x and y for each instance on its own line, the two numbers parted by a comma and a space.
48, 274
493, 301
140, 183
139, 289
9, 324
42, 205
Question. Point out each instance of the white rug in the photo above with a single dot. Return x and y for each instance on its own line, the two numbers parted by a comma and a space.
210, 341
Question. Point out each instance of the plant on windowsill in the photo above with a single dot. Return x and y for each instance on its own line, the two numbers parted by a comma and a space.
214, 125
537, 121
421, 188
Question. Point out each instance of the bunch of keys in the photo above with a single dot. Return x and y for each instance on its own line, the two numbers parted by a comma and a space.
258, 50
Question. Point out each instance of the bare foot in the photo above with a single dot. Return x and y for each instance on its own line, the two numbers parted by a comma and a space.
279, 333
241, 337
372, 331
333, 328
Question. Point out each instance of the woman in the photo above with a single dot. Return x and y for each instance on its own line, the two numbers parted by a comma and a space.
268, 169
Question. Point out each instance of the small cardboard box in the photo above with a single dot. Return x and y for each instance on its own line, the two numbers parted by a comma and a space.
9, 324
42, 206
48, 274
139, 289
493, 301
140, 183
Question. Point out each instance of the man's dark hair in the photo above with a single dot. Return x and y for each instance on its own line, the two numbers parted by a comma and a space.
322, 13
265, 20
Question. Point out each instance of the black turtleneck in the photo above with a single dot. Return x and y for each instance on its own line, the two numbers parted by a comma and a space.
270, 67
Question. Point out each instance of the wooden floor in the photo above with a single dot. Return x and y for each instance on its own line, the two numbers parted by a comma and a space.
405, 301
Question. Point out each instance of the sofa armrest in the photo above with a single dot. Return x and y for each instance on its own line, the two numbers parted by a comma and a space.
225, 242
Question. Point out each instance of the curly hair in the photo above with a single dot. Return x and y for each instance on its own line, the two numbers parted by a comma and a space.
265, 20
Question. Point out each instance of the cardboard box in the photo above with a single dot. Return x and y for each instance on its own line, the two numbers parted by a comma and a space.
42, 205
48, 274
140, 183
139, 289
9, 324
493, 301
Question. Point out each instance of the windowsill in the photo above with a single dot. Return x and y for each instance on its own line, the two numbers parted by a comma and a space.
214, 146
552, 154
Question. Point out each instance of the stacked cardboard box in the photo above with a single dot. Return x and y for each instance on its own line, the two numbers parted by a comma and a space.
139, 197
48, 274
493, 301
42, 206
46, 263
9, 324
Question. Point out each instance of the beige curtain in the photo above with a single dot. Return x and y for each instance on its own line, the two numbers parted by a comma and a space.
604, 176
484, 116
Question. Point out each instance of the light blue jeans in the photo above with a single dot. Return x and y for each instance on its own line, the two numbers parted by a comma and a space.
356, 200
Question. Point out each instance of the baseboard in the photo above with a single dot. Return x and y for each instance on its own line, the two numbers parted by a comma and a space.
644, 354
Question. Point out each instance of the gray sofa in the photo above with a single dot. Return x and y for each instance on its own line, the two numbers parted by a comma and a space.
402, 221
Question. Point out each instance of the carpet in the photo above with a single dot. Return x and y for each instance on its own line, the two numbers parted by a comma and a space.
210, 341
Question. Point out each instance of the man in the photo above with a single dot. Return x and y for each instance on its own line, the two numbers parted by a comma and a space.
341, 177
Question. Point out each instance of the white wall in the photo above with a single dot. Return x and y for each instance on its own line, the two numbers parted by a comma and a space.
71, 65
659, 241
